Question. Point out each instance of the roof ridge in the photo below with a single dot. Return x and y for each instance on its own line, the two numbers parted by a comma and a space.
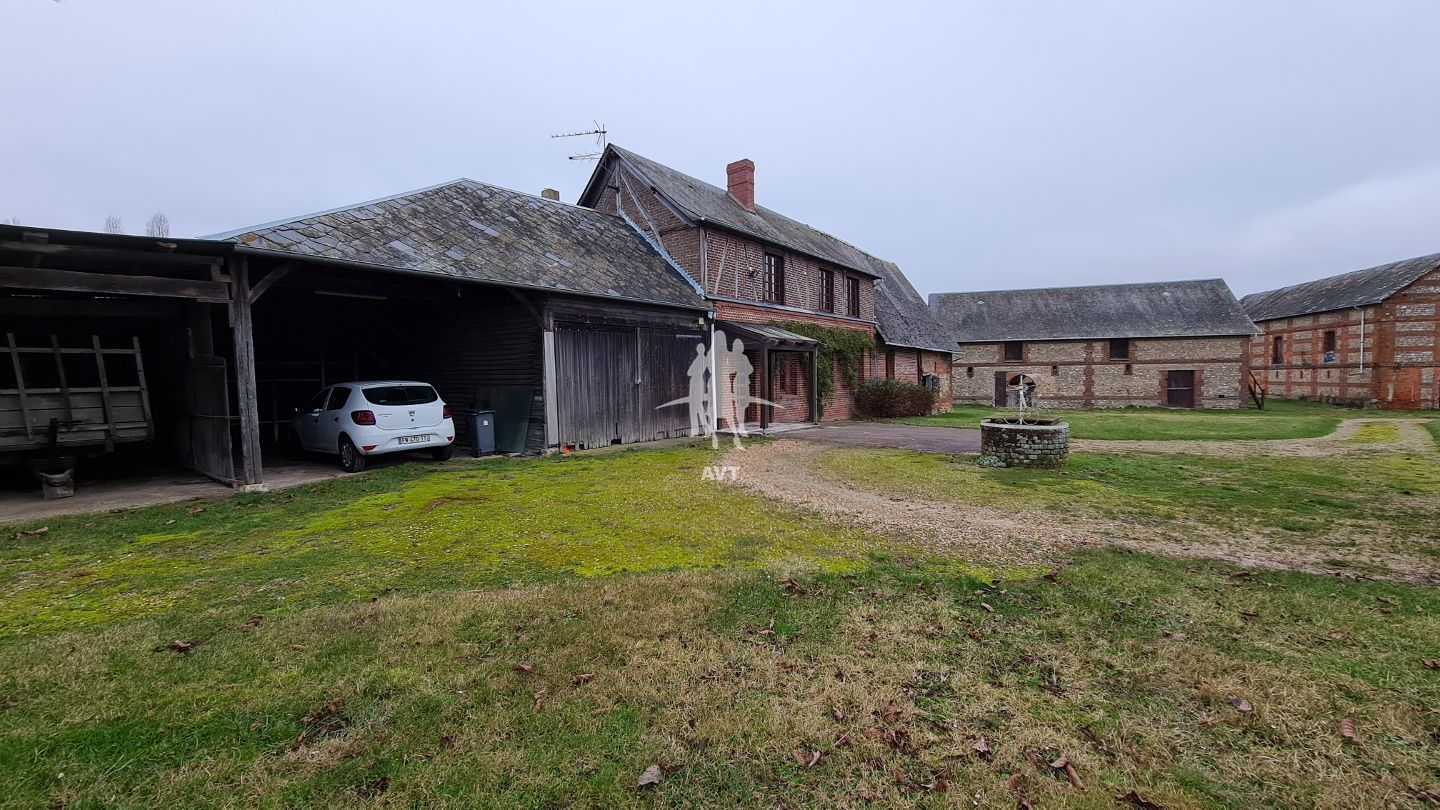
1376, 269
288, 220
1131, 284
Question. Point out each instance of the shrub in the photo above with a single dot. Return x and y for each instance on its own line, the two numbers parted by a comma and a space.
885, 399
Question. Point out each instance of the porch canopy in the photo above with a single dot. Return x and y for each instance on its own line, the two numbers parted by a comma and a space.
764, 339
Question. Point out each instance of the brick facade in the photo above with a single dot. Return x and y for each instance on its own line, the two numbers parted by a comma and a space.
911, 365
1081, 374
1397, 342
730, 268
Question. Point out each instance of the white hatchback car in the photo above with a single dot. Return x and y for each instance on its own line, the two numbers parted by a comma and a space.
359, 419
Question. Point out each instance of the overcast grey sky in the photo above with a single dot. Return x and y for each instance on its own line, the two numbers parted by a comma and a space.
980, 145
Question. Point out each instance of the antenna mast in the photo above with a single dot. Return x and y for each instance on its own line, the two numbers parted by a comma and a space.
598, 132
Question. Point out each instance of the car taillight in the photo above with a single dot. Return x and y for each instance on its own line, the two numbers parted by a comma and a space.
362, 417
445, 414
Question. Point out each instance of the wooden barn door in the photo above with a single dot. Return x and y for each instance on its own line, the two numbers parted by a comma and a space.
610, 382
1180, 389
1002, 390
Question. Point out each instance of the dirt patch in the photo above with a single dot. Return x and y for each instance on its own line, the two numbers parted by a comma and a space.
1410, 438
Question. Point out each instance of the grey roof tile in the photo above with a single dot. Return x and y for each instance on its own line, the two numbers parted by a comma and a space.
1355, 289
485, 233
1163, 309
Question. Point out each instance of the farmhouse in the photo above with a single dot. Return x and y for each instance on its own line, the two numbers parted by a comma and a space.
1366, 338
1178, 344
769, 277
563, 320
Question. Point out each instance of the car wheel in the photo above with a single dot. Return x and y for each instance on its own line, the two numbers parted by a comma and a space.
442, 453
350, 458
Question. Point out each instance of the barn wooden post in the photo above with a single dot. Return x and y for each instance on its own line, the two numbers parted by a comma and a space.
815, 385
251, 475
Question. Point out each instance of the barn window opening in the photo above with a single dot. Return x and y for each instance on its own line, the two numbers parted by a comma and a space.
1277, 352
852, 296
1054, 371
1129, 369
1014, 350
970, 371
827, 290
774, 279
1120, 348
1330, 341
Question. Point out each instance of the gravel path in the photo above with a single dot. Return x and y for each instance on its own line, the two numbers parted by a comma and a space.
789, 471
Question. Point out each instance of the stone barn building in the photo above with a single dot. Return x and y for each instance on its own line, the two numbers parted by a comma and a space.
1178, 344
1365, 338
761, 271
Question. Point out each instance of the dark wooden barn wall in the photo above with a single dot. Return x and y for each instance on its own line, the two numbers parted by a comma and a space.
488, 354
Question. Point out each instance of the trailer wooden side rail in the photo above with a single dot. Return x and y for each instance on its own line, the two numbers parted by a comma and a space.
100, 415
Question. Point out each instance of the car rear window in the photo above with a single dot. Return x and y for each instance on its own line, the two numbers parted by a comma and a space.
400, 395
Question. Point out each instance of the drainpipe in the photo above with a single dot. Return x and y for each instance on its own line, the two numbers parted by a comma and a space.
714, 385
1362, 337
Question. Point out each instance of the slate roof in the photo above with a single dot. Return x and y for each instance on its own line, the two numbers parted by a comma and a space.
475, 231
702, 202
1356, 289
904, 317
1163, 309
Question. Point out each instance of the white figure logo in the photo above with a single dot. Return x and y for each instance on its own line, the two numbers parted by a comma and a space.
719, 390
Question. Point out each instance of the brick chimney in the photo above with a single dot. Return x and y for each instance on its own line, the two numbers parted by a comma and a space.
740, 177
549, 194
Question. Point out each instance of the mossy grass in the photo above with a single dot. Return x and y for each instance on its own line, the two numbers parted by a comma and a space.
1281, 419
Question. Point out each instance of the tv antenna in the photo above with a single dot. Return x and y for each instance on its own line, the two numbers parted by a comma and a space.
598, 132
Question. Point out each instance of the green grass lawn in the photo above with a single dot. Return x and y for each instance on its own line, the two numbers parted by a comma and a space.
1281, 419
538, 633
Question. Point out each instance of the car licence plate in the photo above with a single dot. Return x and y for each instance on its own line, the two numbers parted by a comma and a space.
413, 439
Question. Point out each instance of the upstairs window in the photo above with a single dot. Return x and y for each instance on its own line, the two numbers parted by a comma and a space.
827, 290
1330, 342
852, 296
1014, 350
774, 279
1277, 353
1120, 348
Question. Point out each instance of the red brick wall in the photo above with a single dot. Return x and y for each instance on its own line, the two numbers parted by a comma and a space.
841, 405
910, 365
1401, 347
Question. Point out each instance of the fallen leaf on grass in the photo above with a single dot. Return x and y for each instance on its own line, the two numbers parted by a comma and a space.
195, 510
168, 522
794, 587
839, 715
539, 696
251, 623
987, 607
1241, 704
1177, 636
524, 668
1063, 764
1242, 574
584, 677
33, 533
805, 759
1430, 663
982, 748
865, 794
1053, 576
181, 647
373, 789
890, 713
1136, 800
1347, 729
940, 785
653, 775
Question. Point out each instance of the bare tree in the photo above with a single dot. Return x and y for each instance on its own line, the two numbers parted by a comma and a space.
158, 225
114, 225
10, 221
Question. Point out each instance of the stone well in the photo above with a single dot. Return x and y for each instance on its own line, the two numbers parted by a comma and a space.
1006, 443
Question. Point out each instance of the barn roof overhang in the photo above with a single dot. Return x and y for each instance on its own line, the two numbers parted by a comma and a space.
772, 337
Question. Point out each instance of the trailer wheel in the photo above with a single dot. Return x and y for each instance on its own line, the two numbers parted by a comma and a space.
350, 458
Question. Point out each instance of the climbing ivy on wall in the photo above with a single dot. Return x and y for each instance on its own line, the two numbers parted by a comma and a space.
839, 347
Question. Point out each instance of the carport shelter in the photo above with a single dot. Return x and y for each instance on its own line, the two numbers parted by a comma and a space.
564, 321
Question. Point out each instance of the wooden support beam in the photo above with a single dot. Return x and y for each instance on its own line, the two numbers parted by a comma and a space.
529, 307
165, 258
267, 282
36, 278
252, 474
